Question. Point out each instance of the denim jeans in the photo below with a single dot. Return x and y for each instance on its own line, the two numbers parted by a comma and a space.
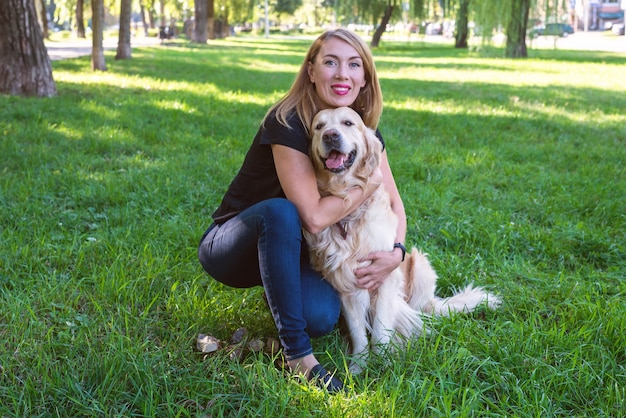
263, 245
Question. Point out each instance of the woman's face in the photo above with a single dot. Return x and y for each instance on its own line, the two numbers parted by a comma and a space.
337, 73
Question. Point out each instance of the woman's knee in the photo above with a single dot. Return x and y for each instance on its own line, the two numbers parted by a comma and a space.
282, 211
282, 208
321, 311
322, 322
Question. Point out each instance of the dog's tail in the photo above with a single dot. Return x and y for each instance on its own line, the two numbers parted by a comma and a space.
422, 283
465, 300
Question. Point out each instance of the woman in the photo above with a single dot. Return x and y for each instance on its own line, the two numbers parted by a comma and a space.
256, 237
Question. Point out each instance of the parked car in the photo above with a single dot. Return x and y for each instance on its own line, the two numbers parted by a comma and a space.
552, 29
618, 28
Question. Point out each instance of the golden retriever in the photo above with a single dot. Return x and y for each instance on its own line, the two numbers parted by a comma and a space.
344, 153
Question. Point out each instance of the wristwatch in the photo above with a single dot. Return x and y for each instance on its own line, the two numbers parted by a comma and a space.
402, 247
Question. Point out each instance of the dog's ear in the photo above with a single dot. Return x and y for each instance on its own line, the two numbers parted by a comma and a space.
373, 151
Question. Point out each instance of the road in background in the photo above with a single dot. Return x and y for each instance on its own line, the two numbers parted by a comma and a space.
583, 41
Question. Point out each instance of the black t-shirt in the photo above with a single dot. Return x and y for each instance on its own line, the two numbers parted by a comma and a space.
257, 179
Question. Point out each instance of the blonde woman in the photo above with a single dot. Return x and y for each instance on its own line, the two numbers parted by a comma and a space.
255, 238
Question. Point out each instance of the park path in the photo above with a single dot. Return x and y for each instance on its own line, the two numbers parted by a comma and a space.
82, 47
584, 41
589, 41
579, 41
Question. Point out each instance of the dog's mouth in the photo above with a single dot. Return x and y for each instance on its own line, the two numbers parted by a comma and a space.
336, 162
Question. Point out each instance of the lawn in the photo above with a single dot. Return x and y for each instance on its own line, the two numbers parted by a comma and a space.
513, 177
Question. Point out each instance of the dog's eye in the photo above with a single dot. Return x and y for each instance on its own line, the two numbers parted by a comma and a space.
348, 122
319, 126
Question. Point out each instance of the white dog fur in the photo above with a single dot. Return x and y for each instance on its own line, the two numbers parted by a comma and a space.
344, 153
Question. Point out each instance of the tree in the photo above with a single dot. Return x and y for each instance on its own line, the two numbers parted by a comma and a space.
201, 18
241, 10
97, 24
144, 21
124, 51
287, 6
25, 67
42, 16
391, 5
461, 32
511, 15
516, 29
80, 19
211, 20
151, 14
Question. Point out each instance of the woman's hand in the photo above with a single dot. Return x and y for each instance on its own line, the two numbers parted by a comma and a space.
382, 264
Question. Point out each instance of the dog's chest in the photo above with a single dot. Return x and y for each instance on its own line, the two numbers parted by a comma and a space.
376, 224
371, 227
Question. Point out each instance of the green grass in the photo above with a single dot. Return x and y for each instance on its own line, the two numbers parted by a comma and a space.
512, 173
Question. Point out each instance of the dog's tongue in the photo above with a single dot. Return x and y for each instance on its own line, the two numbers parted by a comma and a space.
335, 160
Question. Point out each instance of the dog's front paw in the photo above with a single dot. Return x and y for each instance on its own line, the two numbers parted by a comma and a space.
355, 368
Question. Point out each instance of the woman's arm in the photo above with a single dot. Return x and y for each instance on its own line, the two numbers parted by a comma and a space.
297, 179
384, 262
396, 200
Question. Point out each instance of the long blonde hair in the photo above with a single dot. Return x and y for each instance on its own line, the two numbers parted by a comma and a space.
302, 95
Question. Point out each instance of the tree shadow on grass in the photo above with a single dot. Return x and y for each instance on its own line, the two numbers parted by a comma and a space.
199, 118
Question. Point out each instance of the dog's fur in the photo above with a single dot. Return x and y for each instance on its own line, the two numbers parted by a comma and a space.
345, 152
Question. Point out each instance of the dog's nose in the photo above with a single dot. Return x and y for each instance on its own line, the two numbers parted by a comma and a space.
331, 137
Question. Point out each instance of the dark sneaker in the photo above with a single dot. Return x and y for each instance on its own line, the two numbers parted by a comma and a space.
325, 380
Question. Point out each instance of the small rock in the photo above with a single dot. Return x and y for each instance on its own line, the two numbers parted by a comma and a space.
239, 335
272, 346
207, 344
255, 345
235, 352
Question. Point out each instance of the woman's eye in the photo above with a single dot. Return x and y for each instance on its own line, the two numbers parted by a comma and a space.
355, 65
330, 62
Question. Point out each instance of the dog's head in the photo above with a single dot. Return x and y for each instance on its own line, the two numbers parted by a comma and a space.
344, 151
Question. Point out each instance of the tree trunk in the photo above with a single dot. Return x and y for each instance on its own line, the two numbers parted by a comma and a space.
42, 16
124, 51
383, 25
150, 8
211, 19
97, 23
80, 19
200, 33
143, 19
151, 19
25, 67
516, 29
461, 32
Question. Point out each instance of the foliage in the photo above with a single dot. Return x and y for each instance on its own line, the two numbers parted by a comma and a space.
491, 15
418, 8
512, 174
240, 11
286, 6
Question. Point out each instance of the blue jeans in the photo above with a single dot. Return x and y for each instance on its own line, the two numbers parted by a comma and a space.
263, 245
